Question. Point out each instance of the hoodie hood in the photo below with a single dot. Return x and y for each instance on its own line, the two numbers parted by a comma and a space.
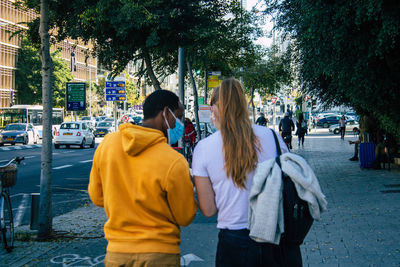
136, 139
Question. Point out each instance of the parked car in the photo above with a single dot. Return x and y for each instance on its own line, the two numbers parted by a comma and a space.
327, 121
74, 133
334, 128
104, 128
24, 133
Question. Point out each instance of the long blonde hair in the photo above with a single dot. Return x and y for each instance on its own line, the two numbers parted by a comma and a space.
240, 144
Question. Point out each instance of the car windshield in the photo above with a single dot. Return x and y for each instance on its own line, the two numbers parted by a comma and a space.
74, 126
86, 118
104, 124
15, 127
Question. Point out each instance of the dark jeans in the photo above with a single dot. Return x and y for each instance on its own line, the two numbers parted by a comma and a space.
301, 138
237, 249
342, 132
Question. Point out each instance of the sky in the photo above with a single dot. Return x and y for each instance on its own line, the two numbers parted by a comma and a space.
267, 27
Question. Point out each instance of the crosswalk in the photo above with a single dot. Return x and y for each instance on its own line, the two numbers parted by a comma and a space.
17, 147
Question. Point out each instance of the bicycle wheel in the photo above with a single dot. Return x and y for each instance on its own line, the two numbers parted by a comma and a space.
7, 224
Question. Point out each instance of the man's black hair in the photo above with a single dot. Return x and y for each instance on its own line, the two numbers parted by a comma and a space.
157, 101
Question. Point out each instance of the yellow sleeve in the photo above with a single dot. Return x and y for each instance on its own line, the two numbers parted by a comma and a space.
95, 188
180, 193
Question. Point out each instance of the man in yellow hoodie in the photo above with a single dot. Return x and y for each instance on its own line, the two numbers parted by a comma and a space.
144, 186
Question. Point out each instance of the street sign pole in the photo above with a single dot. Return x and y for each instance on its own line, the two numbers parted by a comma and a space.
115, 116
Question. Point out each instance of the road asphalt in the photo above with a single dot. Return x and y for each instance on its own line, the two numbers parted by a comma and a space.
360, 227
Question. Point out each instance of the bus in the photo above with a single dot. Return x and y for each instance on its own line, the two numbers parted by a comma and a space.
29, 114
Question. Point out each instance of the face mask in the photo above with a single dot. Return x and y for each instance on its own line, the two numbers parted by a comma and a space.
176, 133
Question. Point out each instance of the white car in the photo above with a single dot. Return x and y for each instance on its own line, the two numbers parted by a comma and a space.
350, 124
74, 133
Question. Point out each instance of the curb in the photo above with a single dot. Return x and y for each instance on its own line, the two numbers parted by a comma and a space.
14, 147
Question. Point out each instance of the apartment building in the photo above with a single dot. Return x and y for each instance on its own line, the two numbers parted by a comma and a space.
10, 19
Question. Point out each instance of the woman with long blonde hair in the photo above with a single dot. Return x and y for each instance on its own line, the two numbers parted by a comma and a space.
223, 169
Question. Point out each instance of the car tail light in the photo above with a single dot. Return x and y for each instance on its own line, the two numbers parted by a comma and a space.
78, 134
57, 133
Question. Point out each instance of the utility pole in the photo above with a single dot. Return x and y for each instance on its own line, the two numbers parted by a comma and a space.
45, 214
205, 85
181, 74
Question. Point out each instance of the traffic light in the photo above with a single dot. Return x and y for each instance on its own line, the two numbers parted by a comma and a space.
12, 98
121, 105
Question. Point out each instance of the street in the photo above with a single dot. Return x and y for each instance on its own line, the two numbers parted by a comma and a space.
71, 168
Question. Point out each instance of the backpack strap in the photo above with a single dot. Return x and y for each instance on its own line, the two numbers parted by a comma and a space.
278, 149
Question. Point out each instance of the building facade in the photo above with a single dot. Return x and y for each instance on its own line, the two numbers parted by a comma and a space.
10, 22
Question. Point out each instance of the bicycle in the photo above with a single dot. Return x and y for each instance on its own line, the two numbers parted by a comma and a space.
188, 151
8, 178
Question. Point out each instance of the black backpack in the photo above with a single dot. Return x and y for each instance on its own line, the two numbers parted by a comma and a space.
297, 217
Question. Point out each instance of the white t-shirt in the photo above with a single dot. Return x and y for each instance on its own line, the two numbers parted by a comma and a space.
232, 202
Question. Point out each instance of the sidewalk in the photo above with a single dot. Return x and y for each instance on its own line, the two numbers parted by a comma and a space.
360, 227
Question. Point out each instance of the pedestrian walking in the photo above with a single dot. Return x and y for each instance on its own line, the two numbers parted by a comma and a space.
342, 125
261, 120
301, 129
144, 186
223, 169
286, 126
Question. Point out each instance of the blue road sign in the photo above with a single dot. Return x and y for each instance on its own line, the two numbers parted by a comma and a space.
115, 97
115, 91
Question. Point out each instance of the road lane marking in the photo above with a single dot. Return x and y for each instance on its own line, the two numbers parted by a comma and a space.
70, 189
86, 161
62, 167
5, 160
21, 210
19, 194
30, 157
17, 147
5, 148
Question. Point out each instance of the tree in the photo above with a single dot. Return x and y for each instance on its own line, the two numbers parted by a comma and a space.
28, 77
267, 75
45, 213
348, 53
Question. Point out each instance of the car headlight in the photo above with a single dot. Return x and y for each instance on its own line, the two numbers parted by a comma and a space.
20, 135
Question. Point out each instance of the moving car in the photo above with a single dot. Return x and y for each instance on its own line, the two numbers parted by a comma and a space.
19, 133
349, 127
74, 133
104, 128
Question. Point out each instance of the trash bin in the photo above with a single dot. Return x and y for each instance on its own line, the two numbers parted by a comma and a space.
35, 197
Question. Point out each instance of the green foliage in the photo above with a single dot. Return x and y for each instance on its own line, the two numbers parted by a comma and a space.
348, 52
268, 74
150, 32
28, 79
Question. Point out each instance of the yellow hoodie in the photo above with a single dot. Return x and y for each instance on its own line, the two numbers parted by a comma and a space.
144, 186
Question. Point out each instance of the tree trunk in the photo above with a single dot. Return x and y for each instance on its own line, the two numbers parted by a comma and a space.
45, 214
195, 100
252, 105
150, 71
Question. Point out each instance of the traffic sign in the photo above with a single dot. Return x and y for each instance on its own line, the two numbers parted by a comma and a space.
306, 98
125, 118
115, 97
273, 100
115, 91
76, 96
